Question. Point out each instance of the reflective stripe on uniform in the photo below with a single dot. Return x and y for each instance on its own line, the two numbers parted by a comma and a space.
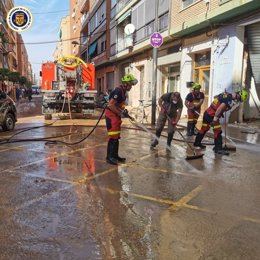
216, 126
114, 133
205, 124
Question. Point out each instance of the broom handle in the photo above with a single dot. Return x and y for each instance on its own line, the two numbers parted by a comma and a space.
179, 132
225, 129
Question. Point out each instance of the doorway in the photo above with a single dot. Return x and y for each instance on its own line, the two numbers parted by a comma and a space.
202, 75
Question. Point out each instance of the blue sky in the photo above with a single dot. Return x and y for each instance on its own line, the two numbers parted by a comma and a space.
45, 27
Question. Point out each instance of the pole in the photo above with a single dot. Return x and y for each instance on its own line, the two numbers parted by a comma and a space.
155, 62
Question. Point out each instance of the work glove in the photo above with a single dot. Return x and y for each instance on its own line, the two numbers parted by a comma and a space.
125, 113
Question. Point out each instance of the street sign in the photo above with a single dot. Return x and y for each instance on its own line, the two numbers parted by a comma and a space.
156, 40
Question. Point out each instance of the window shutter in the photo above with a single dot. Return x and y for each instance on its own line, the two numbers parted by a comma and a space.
141, 16
149, 11
163, 6
113, 36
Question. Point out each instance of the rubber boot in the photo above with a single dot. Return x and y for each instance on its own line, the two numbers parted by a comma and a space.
169, 141
198, 140
218, 149
155, 141
111, 150
193, 128
189, 128
119, 159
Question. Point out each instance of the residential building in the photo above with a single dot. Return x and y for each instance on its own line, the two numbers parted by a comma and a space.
219, 48
95, 41
75, 25
63, 47
213, 42
8, 55
8, 44
132, 52
22, 55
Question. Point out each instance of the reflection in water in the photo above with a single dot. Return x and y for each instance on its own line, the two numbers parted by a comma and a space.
89, 166
122, 225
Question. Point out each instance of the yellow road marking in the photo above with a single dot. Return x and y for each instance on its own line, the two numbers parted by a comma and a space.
99, 174
6, 148
185, 199
167, 171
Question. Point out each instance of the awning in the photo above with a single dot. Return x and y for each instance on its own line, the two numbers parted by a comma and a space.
92, 49
123, 17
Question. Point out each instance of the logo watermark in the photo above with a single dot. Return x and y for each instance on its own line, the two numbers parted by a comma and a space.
19, 19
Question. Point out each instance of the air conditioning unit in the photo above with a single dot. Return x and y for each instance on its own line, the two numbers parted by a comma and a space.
73, 14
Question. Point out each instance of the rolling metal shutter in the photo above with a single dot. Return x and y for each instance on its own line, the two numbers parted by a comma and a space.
253, 39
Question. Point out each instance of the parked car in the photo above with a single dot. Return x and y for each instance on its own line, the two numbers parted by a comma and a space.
8, 113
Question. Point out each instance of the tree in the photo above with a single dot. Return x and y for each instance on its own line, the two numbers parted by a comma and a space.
4, 73
23, 80
14, 76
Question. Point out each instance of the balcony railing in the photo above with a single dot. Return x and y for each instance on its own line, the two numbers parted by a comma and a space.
84, 19
147, 30
140, 35
118, 7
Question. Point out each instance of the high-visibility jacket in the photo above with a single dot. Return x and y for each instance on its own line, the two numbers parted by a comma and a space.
113, 121
218, 100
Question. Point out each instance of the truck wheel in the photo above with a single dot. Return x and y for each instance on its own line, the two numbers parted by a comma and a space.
9, 122
48, 116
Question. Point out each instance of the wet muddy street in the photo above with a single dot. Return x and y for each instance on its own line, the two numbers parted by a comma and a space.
66, 202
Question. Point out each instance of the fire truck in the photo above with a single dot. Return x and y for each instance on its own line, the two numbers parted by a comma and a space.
68, 86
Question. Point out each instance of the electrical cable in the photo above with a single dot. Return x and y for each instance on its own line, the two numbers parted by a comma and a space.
55, 41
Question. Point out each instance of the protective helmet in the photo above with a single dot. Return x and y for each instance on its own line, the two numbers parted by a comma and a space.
129, 78
243, 95
196, 86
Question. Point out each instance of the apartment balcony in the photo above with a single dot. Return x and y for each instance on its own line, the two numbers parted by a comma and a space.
84, 20
141, 35
83, 5
121, 7
145, 32
121, 45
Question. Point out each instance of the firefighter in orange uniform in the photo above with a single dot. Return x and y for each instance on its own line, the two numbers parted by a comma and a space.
193, 102
114, 111
222, 103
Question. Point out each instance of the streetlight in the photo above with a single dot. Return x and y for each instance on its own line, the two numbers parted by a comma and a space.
77, 43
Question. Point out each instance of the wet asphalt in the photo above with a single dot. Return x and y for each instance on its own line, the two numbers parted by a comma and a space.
65, 202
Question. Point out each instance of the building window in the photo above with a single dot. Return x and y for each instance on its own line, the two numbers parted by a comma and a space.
186, 3
97, 19
103, 46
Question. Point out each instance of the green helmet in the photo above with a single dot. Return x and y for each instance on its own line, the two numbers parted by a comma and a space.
243, 95
129, 78
196, 86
